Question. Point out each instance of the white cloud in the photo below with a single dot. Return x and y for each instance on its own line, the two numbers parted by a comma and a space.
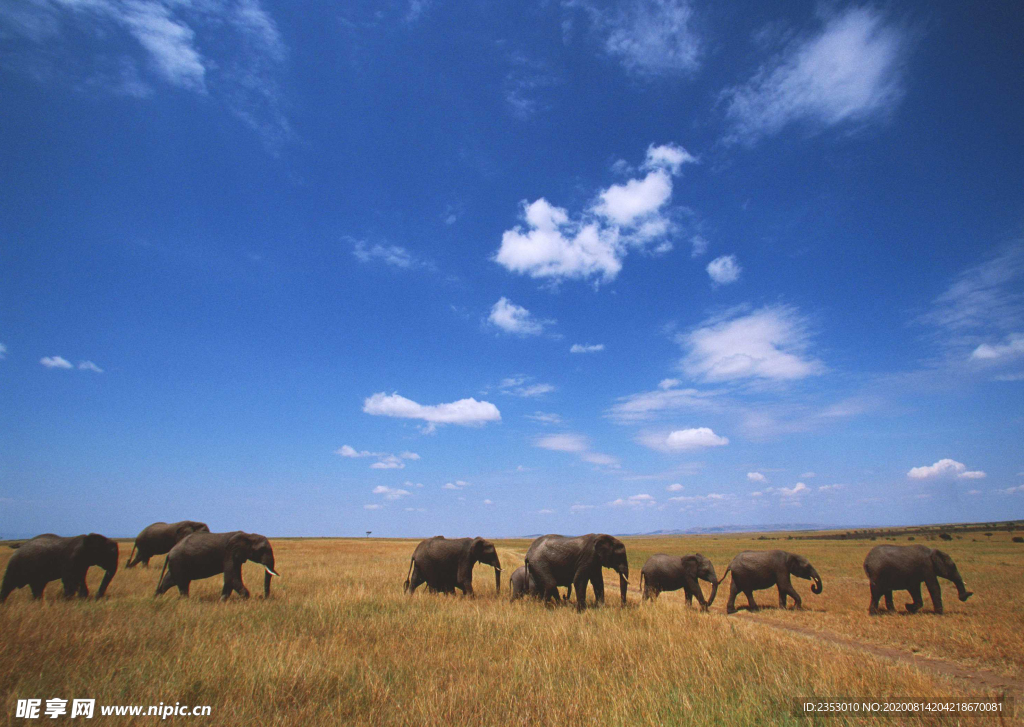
385, 461
712, 498
682, 440
3, 352
1010, 490
808, 475
623, 216
89, 366
457, 485
488, 502
769, 343
699, 246
392, 255
649, 37
518, 386
724, 270
515, 319
372, 507
464, 412
830, 488
575, 444
793, 491
409, 455
1012, 346
637, 501
545, 512
388, 462
944, 468
588, 348
347, 451
756, 477
580, 508
55, 362
648, 405
675, 488
391, 493
849, 72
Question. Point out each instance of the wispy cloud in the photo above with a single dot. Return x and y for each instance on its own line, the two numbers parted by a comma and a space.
392, 255
634, 501
577, 444
649, 37
56, 362
391, 493
848, 72
586, 348
770, 343
89, 366
385, 460
521, 386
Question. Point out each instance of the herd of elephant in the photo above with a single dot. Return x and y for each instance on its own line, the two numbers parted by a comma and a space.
552, 562
555, 561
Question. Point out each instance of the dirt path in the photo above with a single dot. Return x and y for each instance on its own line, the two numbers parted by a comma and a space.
982, 679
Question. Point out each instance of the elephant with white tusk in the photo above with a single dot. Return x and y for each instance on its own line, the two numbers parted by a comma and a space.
445, 565
555, 560
203, 555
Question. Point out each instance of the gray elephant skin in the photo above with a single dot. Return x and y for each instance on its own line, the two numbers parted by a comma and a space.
159, 538
521, 585
204, 555
446, 564
48, 557
905, 567
555, 560
671, 572
754, 570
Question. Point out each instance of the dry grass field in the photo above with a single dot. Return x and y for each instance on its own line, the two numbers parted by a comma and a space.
339, 643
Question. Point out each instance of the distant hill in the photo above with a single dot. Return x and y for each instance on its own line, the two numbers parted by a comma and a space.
759, 528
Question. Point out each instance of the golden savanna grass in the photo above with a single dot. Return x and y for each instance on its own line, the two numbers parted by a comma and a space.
339, 643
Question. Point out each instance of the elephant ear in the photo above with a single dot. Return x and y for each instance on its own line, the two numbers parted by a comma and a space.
792, 562
476, 548
941, 562
240, 547
690, 565
603, 547
95, 547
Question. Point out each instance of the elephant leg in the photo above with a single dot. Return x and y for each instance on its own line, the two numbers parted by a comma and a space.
693, 590
144, 561
37, 589
689, 598
598, 585
915, 594
415, 580
889, 605
183, 588
83, 590
734, 590
580, 586
935, 592
751, 606
787, 589
467, 589
876, 593
5, 590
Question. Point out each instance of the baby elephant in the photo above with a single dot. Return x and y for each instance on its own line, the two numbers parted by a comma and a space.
519, 587
755, 570
202, 555
670, 573
904, 567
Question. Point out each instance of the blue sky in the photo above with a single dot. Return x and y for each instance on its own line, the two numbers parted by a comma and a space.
508, 268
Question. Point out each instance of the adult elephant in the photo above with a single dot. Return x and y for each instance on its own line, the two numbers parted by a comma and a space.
905, 567
555, 560
671, 572
203, 555
48, 557
522, 584
159, 538
754, 570
445, 565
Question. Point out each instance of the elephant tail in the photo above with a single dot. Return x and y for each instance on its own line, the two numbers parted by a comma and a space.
641, 582
719, 581
128, 564
412, 564
162, 570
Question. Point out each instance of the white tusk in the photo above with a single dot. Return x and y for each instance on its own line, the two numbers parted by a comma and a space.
624, 578
271, 572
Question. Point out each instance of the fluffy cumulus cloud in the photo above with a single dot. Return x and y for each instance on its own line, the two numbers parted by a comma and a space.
945, 468
649, 37
848, 72
683, 440
586, 348
56, 362
229, 51
724, 270
515, 319
770, 343
593, 244
464, 412
791, 493
391, 493
756, 477
456, 485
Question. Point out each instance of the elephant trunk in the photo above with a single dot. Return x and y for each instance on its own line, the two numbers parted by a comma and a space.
961, 589
714, 592
497, 579
816, 585
131, 555
108, 576
623, 582
268, 563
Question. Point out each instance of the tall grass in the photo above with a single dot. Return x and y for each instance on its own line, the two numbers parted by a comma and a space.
339, 643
